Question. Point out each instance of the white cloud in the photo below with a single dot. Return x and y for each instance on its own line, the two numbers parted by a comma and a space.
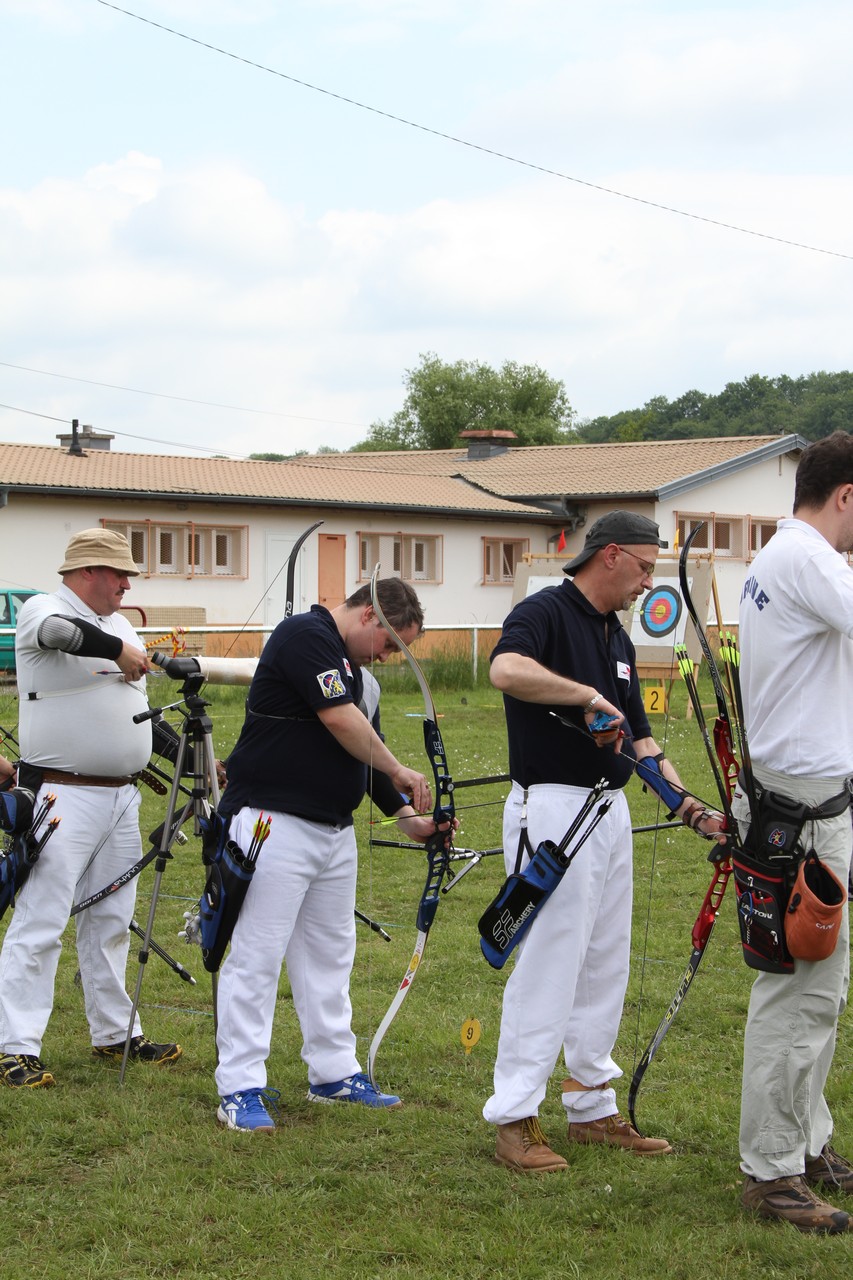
257, 245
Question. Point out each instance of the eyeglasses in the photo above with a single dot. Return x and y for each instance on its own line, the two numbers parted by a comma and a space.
648, 569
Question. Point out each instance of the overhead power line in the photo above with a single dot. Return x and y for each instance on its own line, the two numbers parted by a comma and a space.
475, 146
13, 408
199, 448
161, 395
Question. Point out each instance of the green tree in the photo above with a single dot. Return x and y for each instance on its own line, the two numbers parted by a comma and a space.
443, 400
812, 405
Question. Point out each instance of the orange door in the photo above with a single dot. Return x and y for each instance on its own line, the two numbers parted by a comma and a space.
332, 569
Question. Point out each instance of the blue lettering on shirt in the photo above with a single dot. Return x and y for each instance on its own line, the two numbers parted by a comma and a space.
752, 589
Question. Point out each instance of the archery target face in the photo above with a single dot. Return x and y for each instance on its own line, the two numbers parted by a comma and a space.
660, 611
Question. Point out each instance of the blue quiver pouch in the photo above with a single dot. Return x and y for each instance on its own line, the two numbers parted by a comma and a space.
16, 863
506, 920
228, 877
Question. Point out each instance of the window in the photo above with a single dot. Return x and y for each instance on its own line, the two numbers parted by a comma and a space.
190, 550
415, 557
721, 535
137, 536
760, 533
500, 557
167, 553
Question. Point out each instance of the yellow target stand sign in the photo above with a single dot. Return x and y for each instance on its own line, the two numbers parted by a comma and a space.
470, 1034
654, 699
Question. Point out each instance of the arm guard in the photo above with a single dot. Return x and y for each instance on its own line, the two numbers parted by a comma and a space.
650, 774
383, 793
74, 635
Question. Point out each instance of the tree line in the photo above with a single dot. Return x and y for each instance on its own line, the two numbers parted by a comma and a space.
443, 400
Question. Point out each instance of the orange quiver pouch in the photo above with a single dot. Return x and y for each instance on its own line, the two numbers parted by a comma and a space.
815, 911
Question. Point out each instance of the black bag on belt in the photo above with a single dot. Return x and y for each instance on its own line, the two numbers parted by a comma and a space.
765, 870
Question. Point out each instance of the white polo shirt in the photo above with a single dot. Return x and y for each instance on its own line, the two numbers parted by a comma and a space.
796, 641
89, 727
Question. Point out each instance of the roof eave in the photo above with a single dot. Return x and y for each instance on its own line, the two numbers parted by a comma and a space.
178, 495
785, 444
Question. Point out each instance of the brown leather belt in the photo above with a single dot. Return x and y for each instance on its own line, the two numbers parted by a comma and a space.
85, 779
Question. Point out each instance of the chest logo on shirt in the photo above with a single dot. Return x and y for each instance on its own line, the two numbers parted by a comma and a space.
331, 683
623, 671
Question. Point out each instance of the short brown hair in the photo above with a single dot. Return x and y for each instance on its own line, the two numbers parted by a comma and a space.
398, 601
824, 466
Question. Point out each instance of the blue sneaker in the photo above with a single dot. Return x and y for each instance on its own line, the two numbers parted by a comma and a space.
356, 1088
246, 1110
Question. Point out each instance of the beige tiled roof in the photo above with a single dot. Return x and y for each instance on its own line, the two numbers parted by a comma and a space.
38, 467
589, 470
430, 480
556, 471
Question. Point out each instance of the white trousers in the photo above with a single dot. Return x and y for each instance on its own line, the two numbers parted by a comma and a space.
791, 1027
300, 906
568, 985
31, 949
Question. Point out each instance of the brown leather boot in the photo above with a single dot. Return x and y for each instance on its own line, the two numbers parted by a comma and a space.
521, 1145
792, 1200
614, 1131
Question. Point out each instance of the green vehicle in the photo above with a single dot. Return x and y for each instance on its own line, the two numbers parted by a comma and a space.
11, 601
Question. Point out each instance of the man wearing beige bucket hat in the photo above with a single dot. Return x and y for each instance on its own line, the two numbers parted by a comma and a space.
81, 679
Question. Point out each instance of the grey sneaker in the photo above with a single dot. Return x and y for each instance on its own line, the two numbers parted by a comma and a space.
792, 1200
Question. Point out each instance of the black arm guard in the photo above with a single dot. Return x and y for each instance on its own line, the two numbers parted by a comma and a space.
75, 635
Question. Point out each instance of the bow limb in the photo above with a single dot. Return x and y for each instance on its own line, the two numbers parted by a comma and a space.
702, 929
291, 568
725, 770
723, 728
439, 846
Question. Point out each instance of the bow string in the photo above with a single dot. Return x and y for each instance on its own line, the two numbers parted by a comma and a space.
438, 847
724, 767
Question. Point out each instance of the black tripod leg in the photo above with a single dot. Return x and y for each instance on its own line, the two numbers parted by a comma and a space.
173, 964
159, 866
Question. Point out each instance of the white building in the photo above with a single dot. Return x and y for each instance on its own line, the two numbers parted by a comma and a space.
214, 534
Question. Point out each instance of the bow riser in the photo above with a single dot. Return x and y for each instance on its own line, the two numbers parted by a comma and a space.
439, 846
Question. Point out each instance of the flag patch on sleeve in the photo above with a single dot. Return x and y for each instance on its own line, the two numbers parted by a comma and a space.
331, 683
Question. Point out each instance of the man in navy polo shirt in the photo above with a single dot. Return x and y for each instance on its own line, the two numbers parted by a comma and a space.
564, 650
309, 740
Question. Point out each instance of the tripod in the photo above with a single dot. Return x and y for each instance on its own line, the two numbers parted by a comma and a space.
195, 747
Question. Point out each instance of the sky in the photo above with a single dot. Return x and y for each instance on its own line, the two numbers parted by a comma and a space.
245, 251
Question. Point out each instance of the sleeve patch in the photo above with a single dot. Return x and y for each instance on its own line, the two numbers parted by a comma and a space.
331, 683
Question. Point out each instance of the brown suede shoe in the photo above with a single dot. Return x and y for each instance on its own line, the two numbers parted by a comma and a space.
792, 1200
829, 1169
614, 1131
522, 1145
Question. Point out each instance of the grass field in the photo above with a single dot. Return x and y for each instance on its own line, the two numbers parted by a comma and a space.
103, 1180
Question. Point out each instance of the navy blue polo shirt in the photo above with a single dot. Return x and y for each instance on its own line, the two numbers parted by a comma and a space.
285, 758
559, 628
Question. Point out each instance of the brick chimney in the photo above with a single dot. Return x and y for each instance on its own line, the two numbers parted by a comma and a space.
487, 444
